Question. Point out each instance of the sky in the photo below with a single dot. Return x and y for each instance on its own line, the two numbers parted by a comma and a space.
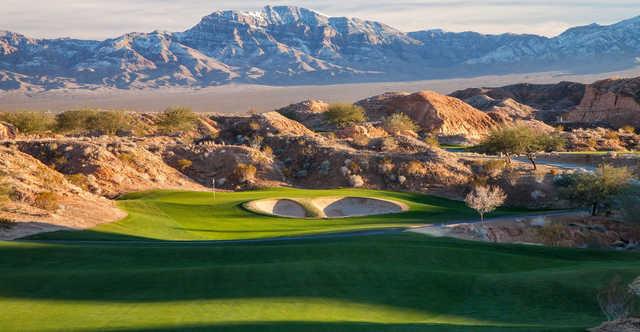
93, 19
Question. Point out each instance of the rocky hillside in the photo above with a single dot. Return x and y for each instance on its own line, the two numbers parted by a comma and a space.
608, 103
612, 102
291, 45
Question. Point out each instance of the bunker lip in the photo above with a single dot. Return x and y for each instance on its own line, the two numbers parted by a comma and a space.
325, 207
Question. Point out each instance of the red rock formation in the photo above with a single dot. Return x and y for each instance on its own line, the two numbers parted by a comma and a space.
442, 115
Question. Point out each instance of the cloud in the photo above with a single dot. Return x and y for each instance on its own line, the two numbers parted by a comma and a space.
99, 19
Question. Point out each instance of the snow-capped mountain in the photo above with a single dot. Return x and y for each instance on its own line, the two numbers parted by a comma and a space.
291, 45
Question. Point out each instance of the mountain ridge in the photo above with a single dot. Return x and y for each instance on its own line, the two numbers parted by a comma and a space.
286, 45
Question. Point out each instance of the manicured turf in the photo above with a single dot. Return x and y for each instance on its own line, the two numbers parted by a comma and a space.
171, 215
392, 282
376, 283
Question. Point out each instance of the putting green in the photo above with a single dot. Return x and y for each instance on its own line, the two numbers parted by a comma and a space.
178, 215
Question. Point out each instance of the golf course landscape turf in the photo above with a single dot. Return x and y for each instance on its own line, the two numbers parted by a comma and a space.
183, 215
386, 282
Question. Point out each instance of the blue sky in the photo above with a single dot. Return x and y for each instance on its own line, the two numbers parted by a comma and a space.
102, 19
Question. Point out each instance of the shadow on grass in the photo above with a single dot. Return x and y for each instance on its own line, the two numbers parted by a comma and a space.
347, 327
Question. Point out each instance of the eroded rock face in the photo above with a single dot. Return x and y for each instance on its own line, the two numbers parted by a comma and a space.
108, 166
28, 177
442, 115
614, 103
7, 131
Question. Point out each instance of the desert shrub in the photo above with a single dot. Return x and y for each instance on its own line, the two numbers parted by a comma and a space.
29, 122
177, 118
386, 166
245, 172
398, 122
361, 140
356, 181
342, 115
628, 129
432, 141
256, 142
628, 202
612, 135
183, 164
47, 201
388, 144
415, 168
109, 122
494, 167
617, 299
128, 158
267, 151
79, 180
551, 233
74, 120
254, 125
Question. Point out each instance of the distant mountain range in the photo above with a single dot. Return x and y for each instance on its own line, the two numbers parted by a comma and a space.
291, 45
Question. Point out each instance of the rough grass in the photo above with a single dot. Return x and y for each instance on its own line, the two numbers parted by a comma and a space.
377, 283
175, 215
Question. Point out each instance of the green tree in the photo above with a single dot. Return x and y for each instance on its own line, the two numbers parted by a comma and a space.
521, 140
594, 189
29, 122
177, 118
342, 115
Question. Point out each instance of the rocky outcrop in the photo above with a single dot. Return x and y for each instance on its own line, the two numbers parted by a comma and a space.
7, 131
106, 166
309, 112
433, 112
28, 178
547, 101
612, 102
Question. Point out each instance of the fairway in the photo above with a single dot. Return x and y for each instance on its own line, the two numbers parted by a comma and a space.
377, 283
181, 215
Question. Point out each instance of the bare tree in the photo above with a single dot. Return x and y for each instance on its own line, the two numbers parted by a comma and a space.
485, 199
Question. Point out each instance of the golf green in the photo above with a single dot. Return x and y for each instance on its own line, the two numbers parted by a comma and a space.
181, 215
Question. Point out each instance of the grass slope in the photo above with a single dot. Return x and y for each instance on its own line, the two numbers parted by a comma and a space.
176, 215
404, 282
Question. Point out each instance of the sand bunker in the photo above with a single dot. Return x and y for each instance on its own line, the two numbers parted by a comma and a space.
325, 207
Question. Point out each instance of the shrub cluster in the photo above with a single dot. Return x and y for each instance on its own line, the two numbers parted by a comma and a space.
30, 122
342, 115
47, 201
398, 122
177, 118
